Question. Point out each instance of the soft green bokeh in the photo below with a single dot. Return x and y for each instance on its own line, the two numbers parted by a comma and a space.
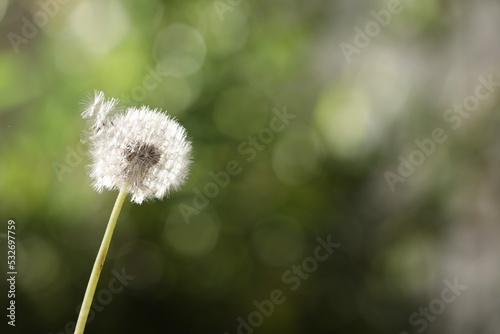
226, 70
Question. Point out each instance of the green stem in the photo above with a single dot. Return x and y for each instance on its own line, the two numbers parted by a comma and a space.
99, 262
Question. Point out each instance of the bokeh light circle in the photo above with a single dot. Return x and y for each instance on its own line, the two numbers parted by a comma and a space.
179, 50
195, 238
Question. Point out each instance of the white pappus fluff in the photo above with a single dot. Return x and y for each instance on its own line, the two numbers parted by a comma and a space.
144, 149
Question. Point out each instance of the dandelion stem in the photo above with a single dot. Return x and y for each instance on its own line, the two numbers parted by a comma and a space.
99, 262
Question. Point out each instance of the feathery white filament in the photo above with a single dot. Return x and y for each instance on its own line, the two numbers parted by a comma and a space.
142, 148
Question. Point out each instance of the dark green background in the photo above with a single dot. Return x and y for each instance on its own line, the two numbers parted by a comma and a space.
323, 175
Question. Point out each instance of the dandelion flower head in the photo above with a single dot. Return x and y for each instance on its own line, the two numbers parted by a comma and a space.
140, 148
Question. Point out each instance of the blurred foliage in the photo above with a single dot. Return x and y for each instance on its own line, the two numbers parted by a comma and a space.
225, 69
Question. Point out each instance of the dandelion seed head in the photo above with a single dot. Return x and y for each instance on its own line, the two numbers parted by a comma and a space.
142, 148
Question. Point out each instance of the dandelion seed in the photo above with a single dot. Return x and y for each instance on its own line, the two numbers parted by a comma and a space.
98, 109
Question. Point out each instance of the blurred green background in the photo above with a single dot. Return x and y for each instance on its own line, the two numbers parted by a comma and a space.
359, 100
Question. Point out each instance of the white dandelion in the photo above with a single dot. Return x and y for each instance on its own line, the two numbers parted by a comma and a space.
143, 149
139, 151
